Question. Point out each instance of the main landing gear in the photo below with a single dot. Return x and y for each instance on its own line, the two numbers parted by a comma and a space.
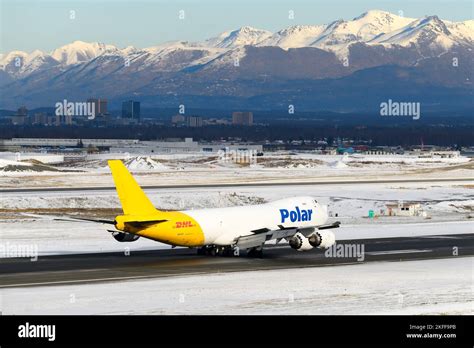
216, 250
229, 251
256, 252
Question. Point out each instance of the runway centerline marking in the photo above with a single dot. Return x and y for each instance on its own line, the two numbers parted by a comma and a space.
408, 251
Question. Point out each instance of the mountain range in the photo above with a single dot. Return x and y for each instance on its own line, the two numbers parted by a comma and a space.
341, 66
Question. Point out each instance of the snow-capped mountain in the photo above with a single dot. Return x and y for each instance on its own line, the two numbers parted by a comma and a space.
234, 61
371, 28
340, 34
373, 23
79, 51
463, 31
20, 64
240, 37
13, 58
294, 36
429, 32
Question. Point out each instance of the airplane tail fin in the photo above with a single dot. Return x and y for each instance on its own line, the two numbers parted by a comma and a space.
133, 199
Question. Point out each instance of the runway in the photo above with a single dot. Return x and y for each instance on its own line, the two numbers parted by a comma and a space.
107, 267
230, 185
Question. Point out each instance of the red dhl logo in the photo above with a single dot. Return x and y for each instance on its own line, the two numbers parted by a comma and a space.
183, 224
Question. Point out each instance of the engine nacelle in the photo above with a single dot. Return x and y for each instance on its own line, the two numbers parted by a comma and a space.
300, 242
322, 239
125, 237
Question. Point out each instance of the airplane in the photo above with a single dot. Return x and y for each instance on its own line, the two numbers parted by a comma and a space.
302, 221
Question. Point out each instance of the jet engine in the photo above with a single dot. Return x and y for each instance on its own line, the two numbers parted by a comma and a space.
124, 237
300, 242
322, 239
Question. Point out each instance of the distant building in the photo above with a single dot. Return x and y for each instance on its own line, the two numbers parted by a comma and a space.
342, 150
188, 145
240, 118
131, 109
404, 209
40, 118
22, 111
193, 121
100, 106
28, 143
380, 150
160, 146
18, 120
216, 121
440, 154
178, 119
21, 117
63, 120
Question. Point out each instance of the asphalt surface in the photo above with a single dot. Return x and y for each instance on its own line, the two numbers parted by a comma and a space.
107, 267
222, 185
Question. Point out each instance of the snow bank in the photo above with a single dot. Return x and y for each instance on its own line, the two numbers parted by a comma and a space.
24, 156
143, 163
5, 163
411, 287
338, 165
458, 206
406, 159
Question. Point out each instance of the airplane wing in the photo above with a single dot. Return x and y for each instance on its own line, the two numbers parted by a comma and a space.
139, 223
262, 235
69, 218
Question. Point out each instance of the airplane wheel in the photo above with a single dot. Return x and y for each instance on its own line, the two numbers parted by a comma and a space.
215, 251
201, 251
255, 252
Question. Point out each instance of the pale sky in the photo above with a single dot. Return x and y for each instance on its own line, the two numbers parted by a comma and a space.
47, 24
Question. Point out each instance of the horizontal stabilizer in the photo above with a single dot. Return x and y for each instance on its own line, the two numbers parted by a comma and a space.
142, 224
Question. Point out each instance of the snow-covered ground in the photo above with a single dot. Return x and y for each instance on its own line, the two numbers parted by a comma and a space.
412, 287
353, 202
199, 168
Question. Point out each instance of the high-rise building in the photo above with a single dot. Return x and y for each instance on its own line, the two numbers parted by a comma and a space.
242, 118
21, 116
22, 111
62, 120
193, 121
40, 118
131, 109
100, 106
